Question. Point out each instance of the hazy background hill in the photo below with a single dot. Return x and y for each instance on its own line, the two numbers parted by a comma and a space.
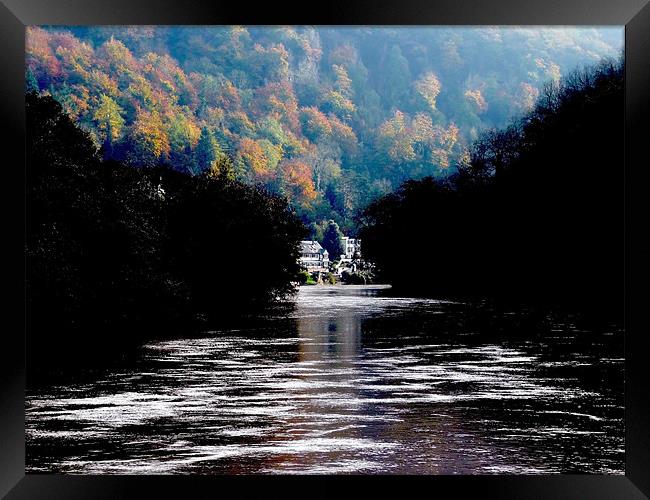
329, 117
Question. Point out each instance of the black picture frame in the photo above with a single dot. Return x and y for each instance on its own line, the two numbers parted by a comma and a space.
15, 15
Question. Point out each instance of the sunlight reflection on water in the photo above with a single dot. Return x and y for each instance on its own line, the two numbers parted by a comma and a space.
337, 388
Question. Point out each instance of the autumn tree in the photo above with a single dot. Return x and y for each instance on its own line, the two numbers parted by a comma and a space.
364, 109
254, 160
475, 97
110, 123
147, 141
297, 181
428, 87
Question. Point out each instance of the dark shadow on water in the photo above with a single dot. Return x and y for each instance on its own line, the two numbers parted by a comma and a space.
348, 380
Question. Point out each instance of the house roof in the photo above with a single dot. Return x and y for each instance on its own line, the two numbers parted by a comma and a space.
312, 247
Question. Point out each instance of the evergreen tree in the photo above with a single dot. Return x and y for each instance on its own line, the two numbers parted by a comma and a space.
396, 78
332, 240
207, 150
31, 82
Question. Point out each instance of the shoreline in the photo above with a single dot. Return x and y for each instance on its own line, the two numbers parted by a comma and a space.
379, 286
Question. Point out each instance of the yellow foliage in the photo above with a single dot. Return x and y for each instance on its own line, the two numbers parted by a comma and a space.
148, 131
109, 119
252, 153
476, 99
428, 86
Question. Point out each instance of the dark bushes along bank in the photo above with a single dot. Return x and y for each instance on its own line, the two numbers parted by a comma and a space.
536, 213
117, 253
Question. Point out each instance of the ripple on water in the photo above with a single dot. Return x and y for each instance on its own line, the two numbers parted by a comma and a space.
330, 396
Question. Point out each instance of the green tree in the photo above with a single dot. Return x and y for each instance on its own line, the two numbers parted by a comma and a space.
332, 240
207, 150
31, 81
397, 78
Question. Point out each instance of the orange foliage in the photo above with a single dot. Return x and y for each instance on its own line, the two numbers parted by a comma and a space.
75, 56
252, 153
116, 58
315, 123
278, 99
298, 181
344, 135
41, 59
148, 132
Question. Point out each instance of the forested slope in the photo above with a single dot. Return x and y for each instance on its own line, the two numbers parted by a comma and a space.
331, 118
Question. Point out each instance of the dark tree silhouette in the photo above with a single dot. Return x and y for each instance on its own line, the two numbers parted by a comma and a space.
537, 213
116, 253
332, 240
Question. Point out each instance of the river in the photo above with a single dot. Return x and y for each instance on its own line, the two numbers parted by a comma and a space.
353, 380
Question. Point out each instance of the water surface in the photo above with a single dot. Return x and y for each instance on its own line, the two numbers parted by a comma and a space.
352, 381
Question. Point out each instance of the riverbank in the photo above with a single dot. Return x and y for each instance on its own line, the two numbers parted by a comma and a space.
350, 286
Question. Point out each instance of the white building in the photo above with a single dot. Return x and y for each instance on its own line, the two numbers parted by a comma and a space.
351, 247
314, 257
